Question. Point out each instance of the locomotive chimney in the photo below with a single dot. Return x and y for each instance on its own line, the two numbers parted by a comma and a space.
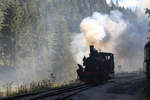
93, 51
91, 48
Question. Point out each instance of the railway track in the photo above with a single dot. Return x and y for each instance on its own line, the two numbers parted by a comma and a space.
57, 94
62, 94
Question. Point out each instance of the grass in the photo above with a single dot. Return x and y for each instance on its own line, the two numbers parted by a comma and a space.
12, 90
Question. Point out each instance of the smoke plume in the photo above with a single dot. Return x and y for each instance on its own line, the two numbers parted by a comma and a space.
120, 34
98, 30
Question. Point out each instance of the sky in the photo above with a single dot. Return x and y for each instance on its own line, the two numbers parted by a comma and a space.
132, 4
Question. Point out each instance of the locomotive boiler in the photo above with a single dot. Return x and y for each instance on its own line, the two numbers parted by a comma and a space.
98, 67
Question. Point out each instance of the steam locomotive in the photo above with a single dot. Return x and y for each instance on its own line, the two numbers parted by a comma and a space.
147, 59
147, 64
98, 67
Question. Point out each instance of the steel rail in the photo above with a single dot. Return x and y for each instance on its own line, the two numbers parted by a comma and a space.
70, 95
59, 92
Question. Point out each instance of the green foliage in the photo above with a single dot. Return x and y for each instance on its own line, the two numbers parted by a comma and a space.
15, 15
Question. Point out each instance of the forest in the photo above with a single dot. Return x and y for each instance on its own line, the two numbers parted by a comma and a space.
35, 37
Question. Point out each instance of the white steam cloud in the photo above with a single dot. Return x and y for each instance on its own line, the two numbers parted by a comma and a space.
98, 30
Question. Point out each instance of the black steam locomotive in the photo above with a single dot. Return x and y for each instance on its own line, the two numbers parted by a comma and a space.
99, 67
147, 65
147, 60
